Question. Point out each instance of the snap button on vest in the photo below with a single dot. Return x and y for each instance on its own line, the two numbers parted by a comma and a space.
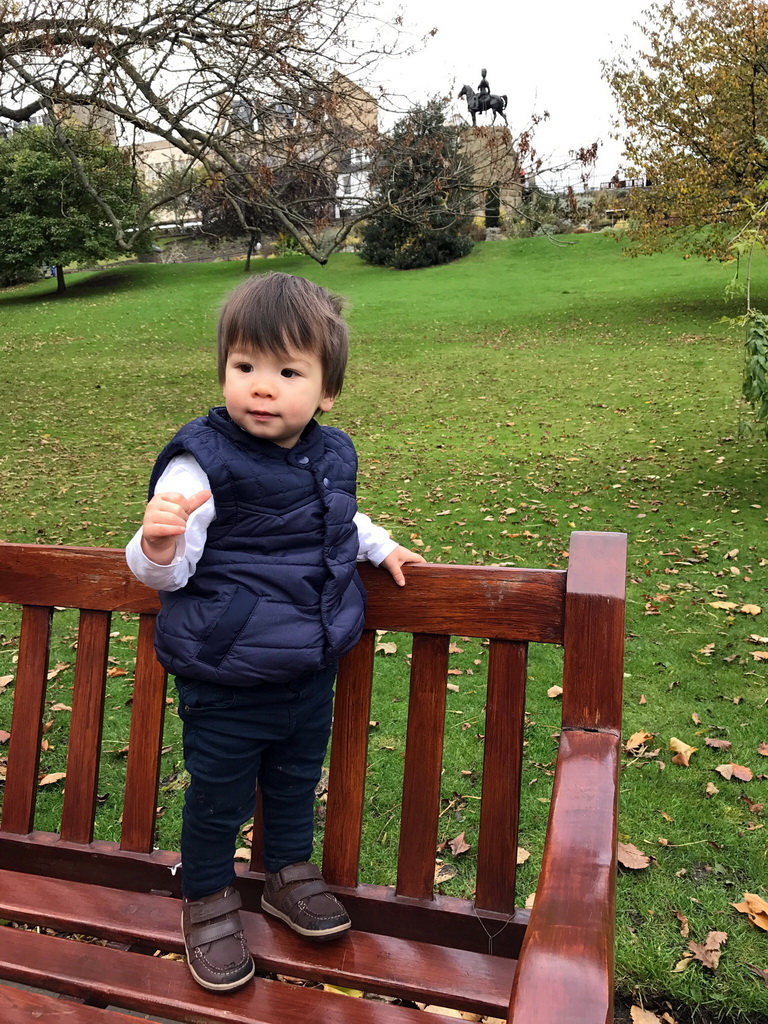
303, 460
326, 482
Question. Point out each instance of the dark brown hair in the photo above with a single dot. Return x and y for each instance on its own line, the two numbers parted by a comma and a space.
277, 312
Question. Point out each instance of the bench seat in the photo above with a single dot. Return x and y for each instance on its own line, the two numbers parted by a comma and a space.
361, 960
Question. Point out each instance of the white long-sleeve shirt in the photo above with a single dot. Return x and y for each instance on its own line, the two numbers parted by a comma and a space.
186, 476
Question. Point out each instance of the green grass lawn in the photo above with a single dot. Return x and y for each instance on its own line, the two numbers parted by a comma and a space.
497, 404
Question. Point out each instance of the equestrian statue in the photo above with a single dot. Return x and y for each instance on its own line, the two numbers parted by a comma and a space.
482, 100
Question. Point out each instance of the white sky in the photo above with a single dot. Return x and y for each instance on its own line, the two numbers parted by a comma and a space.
544, 56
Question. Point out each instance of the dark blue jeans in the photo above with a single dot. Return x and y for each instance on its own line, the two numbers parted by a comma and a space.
233, 737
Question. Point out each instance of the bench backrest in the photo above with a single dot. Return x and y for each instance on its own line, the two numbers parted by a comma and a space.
581, 609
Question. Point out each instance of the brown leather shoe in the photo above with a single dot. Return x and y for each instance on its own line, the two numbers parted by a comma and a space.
217, 953
298, 895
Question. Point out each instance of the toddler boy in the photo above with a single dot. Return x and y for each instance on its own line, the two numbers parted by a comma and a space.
251, 535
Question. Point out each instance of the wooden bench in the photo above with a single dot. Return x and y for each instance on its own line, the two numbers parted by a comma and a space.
551, 965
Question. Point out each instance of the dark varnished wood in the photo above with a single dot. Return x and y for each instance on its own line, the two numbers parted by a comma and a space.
20, 1006
349, 754
444, 920
514, 604
374, 963
502, 763
408, 941
145, 742
423, 766
165, 987
69, 577
593, 668
566, 964
20, 792
85, 731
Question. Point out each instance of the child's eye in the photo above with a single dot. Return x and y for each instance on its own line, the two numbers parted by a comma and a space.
287, 372
243, 367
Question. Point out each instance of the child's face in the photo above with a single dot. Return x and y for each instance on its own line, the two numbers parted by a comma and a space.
274, 397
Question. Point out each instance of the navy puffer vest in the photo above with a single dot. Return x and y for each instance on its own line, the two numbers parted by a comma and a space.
275, 594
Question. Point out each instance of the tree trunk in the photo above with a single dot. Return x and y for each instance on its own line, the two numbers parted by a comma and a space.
60, 284
251, 246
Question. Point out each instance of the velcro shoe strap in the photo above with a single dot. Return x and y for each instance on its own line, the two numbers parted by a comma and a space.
301, 892
298, 873
202, 934
200, 912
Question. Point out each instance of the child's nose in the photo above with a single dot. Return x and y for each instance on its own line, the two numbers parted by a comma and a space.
263, 384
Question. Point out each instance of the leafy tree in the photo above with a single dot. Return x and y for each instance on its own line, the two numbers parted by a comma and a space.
239, 89
226, 213
425, 182
50, 214
695, 104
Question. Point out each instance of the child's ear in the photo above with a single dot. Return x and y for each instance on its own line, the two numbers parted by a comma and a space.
326, 403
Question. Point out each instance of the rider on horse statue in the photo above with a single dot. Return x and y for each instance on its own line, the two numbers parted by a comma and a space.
483, 91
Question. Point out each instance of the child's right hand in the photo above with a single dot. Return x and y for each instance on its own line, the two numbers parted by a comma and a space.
165, 518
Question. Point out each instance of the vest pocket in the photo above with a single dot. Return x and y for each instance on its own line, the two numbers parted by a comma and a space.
225, 632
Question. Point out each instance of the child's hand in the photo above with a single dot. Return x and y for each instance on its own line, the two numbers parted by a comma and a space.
165, 518
400, 556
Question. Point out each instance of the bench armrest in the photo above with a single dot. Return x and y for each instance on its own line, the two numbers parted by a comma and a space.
565, 970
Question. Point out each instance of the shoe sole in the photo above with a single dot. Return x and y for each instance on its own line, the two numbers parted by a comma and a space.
210, 985
307, 933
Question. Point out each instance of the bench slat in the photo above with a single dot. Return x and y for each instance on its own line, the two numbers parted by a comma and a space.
86, 727
347, 770
19, 1006
512, 604
423, 766
145, 741
166, 988
20, 793
359, 960
502, 763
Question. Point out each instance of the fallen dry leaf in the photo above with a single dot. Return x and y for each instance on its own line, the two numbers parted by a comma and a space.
385, 648
753, 808
243, 853
115, 671
757, 639
750, 609
458, 844
726, 606
718, 744
48, 780
734, 771
355, 993
630, 857
684, 930
759, 655
763, 749
683, 751
755, 908
708, 952
61, 707
447, 1012
522, 855
758, 973
4, 680
444, 872
638, 740
530, 900
641, 1016
711, 790
555, 691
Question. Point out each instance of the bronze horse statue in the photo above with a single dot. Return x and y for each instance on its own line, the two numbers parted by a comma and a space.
477, 104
